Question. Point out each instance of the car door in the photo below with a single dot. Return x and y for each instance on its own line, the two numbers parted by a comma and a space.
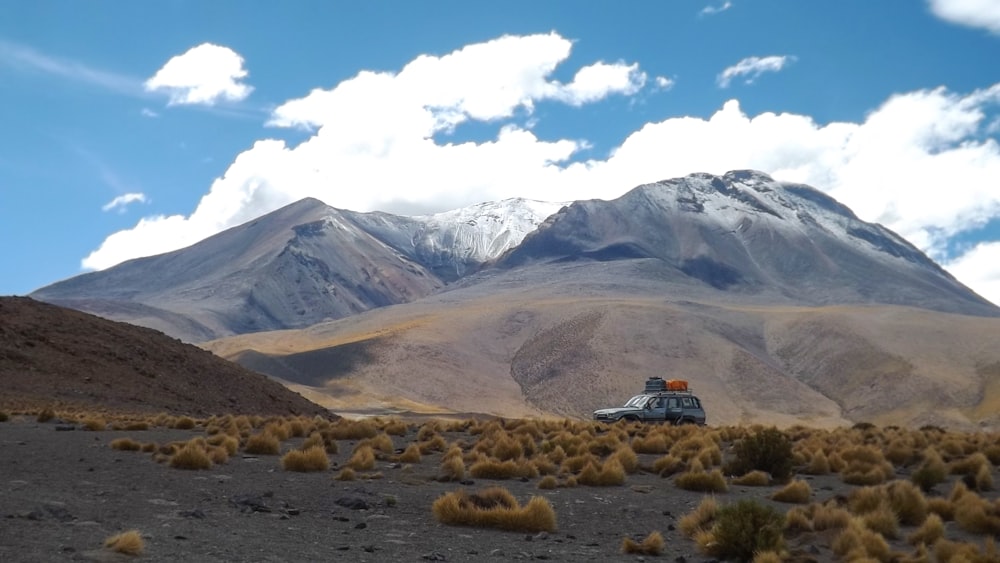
673, 409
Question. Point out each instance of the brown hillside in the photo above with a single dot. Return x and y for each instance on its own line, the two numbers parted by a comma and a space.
538, 352
51, 356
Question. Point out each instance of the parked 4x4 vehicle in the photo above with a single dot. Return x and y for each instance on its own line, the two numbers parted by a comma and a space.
674, 404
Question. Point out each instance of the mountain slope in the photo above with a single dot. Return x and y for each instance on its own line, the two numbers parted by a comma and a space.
297, 266
747, 234
775, 301
56, 357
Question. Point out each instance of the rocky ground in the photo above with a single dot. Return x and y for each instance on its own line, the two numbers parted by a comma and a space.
63, 491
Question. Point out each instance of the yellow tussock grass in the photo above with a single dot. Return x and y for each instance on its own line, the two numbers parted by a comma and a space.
650, 545
126, 444
984, 478
183, 423
627, 458
218, 455
128, 543
435, 444
411, 454
346, 474
942, 507
668, 465
707, 482
363, 458
230, 443
700, 518
452, 468
767, 557
297, 428
381, 443
609, 474
494, 509
191, 456
95, 424
548, 482
908, 502
312, 459
796, 492
655, 444
882, 520
395, 428
755, 478
819, 464
263, 443
345, 429
929, 532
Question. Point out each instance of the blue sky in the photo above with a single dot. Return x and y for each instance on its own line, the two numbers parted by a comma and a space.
132, 128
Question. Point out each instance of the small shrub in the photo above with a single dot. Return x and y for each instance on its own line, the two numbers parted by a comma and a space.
651, 545
126, 444
655, 444
827, 517
137, 426
395, 428
218, 454
314, 439
128, 543
942, 507
819, 464
746, 528
191, 456
46, 415
797, 492
313, 459
229, 443
297, 428
768, 450
627, 458
4, 417
975, 515
263, 443
494, 509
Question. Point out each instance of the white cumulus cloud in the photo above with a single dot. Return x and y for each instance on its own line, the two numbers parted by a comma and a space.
971, 13
752, 67
123, 201
712, 10
979, 268
663, 83
205, 74
923, 163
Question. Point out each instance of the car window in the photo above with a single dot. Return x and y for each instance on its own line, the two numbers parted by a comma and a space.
672, 403
686, 401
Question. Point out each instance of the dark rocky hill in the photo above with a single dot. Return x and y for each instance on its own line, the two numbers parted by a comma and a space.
56, 357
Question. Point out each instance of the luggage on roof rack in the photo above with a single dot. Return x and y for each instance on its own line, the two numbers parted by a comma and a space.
657, 384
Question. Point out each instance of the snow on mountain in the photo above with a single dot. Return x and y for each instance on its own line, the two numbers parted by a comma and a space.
452, 243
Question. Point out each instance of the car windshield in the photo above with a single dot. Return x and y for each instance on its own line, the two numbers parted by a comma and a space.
638, 401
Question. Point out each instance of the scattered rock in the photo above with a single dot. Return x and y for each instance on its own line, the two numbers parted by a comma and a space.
250, 503
65, 427
360, 526
196, 513
353, 503
435, 556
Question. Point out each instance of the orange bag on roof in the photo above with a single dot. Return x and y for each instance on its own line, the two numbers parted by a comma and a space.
677, 385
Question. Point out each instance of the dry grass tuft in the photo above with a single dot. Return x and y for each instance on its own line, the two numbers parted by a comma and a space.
95, 424
346, 474
184, 423
312, 459
128, 543
411, 454
701, 481
494, 507
701, 518
548, 482
610, 474
755, 478
651, 545
191, 456
363, 458
46, 415
797, 492
668, 465
345, 429
908, 502
126, 444
929, 532
263, 443
452, 468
